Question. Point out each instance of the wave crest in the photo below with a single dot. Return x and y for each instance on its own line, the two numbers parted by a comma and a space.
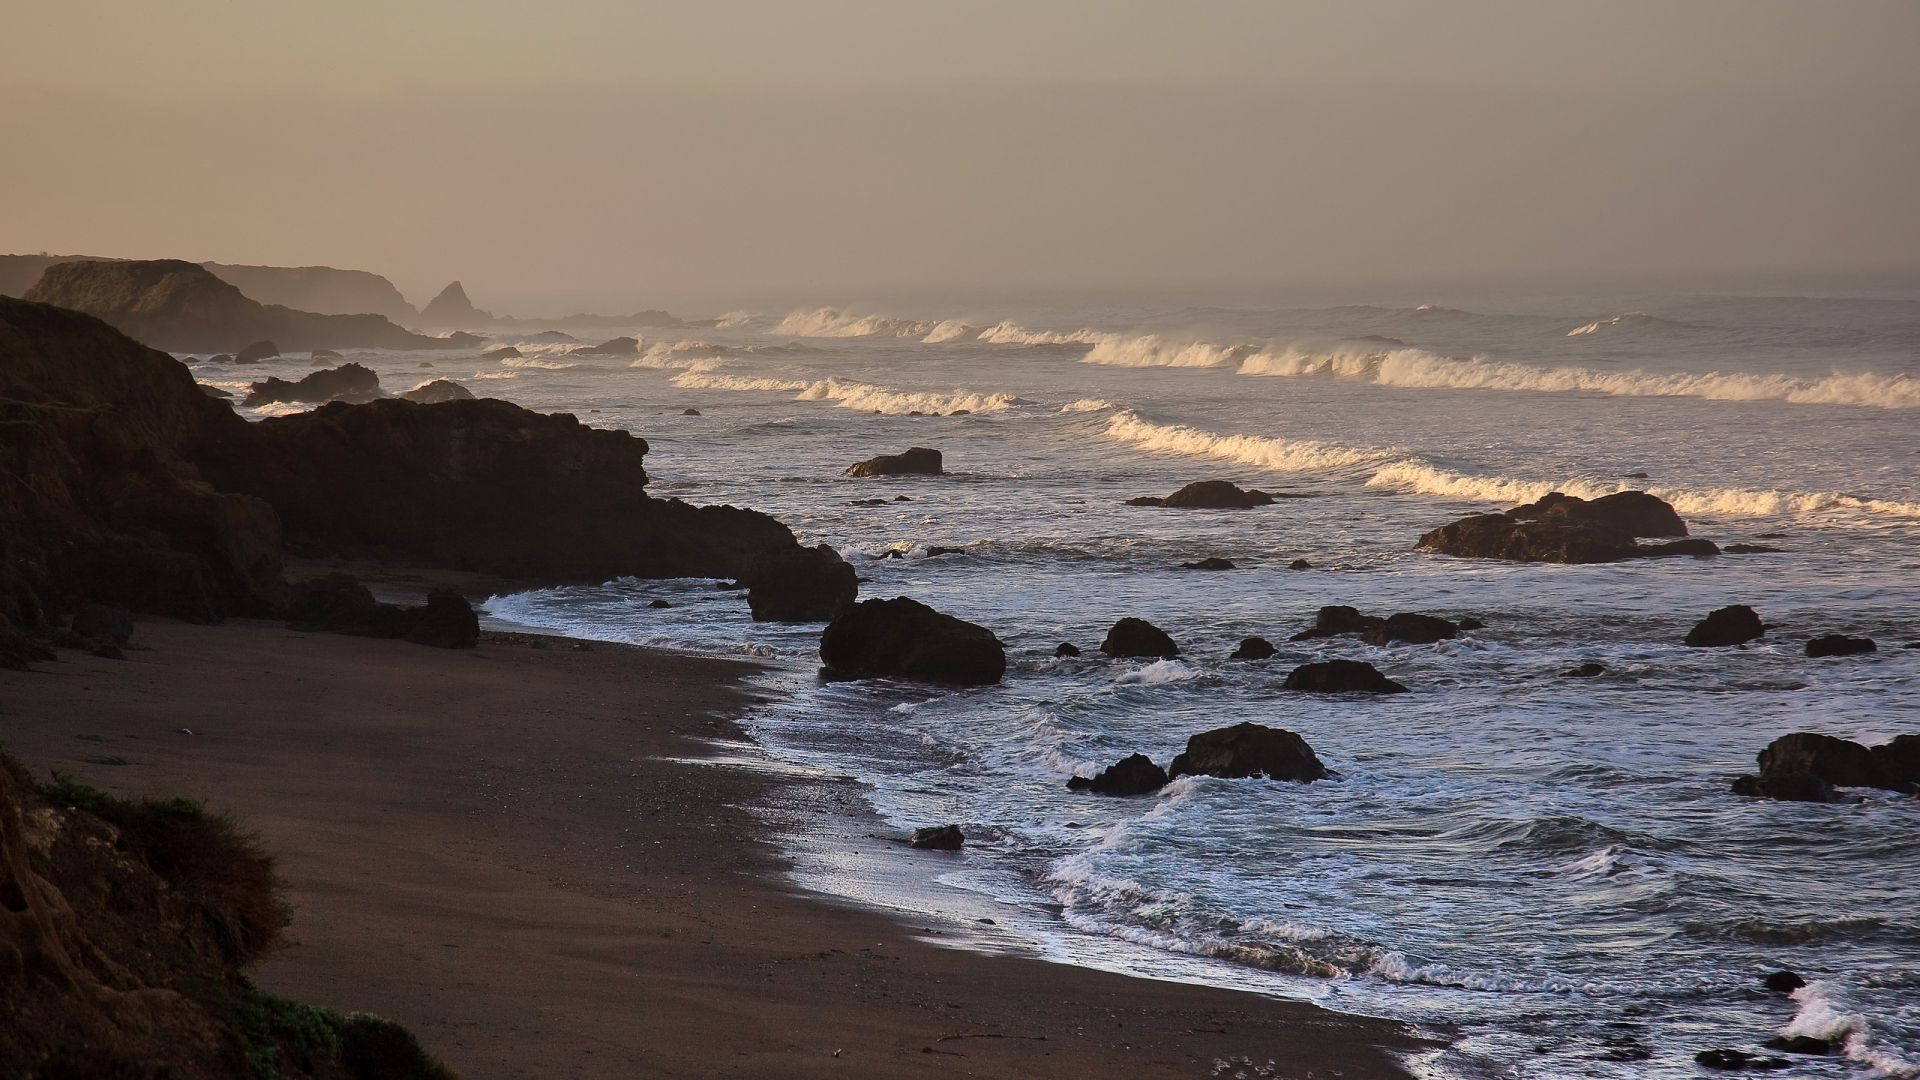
829, 322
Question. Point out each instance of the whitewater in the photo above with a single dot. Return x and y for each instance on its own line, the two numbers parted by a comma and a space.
1553, 867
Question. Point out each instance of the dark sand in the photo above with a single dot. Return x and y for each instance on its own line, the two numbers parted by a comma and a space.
486, 848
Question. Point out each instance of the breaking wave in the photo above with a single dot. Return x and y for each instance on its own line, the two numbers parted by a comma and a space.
951, 330
1826, 1013
1007, 333
1419, 369
1421, 477
831, 322
1152, 350
848, 394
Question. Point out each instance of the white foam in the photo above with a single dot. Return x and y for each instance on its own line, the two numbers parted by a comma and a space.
1268, 453
1826, 1013
951, 330
831, 322
700, 379
848, 394
495, 375
733, 319
1152, 350
1008, 333
1158, 672
1088, 405
535, 362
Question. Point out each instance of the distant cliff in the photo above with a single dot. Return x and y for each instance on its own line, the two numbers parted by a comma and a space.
452, 310
184, 307
19, 272
320, 289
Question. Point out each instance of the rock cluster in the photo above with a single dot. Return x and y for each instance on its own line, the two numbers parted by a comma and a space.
338, 604
1569, 529
348, 382
1407, 626
1237, 752
1806, 767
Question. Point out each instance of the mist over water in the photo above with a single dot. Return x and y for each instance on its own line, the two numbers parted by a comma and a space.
1554, 865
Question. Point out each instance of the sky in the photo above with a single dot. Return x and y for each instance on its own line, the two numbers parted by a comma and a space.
569, 154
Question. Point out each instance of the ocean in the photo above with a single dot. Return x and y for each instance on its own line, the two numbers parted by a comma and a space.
1551, 869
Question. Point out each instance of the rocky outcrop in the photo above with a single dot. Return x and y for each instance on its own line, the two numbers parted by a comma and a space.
99, 496
1253, 648
338, 604
917, 460
1135, 775
799, 584
1341, 677
1806, 767
620, 346
452, 309
1138, 637
1736, 624
481, 485
1209, 495
938, 838
256, 352
321, 289
1840, 645
183, 307
1066, 649
907, 639
1248, 750
1406, 626
436, 391
1568, 529
348, 382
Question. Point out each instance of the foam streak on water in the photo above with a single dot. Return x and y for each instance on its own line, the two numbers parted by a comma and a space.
1555, 865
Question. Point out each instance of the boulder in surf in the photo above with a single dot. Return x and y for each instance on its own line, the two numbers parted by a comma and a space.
919, 460
1138, 637
1249, 750
907, 639
1133, 775
1735, 624
1341, 677
799, 584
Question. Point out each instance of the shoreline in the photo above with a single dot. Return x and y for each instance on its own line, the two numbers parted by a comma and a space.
510, 851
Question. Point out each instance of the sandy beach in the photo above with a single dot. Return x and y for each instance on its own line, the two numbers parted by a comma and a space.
489, 847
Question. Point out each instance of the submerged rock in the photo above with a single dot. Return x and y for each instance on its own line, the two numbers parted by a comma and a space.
620, 346
1790, 787
1410, 627
1800, 1044
1751, 549
1340, 677
1299, 564
1840, 645
800, 584
905, 638
1584, 671
1211, 563
1247, 750
1735, 1060
1253, 648
1782, 982
1209, 495
917, 460
1332, 620
1736, 624
1138, 637
1135, 775
939, 838
428, 393
348, 381
1066, 648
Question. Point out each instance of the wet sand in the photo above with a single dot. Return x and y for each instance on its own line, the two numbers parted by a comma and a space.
488, 847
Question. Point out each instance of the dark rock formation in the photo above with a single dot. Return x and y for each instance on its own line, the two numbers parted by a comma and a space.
338, 604
1245, 750
1210, 563
799, 584
939, 838
1840, 645
452, 309
1751, 549
1340, 677
620, 346
1138, 637
1633, 513
659, 604
1805, 767
1208, 495
429, 393
1135, 775
320, 357
905, 638
1800, 1044
321, 289
1735, 1060
481, 485
1782, 982
1733, 625
348, 382
1584, 671
1299, 564
689, 412
1066, 648
918, 459
459, 339
183, 307
256, 352
104, 622
99, 499
504, 352
1410, 627
1569, 529
1253, 648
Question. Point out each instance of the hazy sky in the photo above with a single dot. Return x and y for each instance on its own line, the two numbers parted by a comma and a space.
612, 155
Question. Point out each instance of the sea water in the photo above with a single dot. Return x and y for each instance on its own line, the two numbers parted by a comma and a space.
1553, 866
